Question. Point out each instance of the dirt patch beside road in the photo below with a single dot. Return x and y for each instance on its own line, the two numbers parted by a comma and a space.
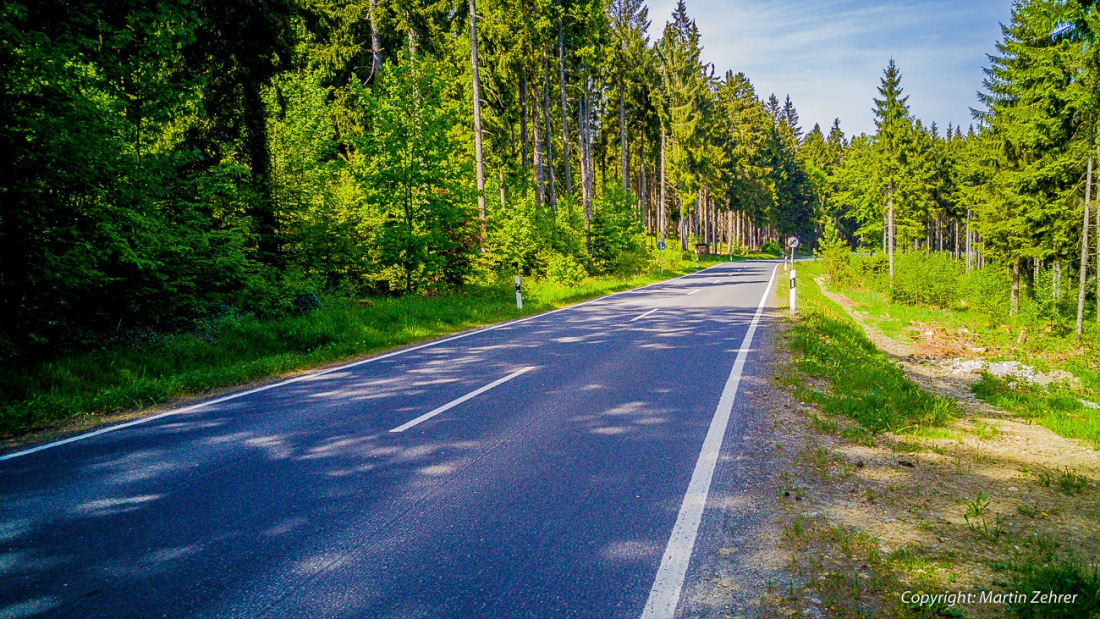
984, 507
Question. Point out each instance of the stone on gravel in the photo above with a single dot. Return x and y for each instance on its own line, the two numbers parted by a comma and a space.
1010, 370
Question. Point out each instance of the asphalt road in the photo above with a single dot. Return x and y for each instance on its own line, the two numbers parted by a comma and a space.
556, 486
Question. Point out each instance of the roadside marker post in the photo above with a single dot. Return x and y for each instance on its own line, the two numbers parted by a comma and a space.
519, 295
792, 292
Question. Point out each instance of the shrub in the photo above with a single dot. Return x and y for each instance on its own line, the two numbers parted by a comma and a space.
564, 269
925, 279
618, 237
771, 247
988, 288
836, 255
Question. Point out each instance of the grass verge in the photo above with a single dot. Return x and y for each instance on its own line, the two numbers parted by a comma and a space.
849, 376
1057, 409
978, 506
235, 349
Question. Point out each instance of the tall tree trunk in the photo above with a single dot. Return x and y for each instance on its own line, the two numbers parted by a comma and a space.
661, 206
540, 186
413, 45
564, 113
1097, 266
479, 156
375, 40
523, 121
622, 133
969, 241
1056, 281
644, 199
586, 166
1084, 273
729, 233
1014, 298
891, 236
552, 196
262, 209
956, 224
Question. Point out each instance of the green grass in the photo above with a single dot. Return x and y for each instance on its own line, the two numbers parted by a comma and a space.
894, 319
1047, 346
1057, 409
239, 349
1036, 565
864, 383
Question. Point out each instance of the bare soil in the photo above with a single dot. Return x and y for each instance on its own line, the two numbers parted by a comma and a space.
861, 522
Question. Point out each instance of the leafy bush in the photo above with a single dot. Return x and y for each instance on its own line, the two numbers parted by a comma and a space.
836, 255
771, 247
618, 236
564, 269
988, 288
926, 279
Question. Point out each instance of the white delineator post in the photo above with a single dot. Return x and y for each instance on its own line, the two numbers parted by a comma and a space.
792, 292
519, 296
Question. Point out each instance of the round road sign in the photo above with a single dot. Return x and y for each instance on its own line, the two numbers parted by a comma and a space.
661, 245
792, 242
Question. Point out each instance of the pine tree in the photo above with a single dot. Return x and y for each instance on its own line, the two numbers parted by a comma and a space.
892, 123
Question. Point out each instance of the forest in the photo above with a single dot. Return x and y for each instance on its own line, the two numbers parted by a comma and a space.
165, 162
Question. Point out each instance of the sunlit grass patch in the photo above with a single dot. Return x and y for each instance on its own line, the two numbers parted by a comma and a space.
864, 383
1057, 409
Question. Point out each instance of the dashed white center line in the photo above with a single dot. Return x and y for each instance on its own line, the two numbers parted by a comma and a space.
645, 314
692, 292
454, 403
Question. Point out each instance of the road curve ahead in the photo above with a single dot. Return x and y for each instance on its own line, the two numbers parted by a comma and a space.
556, 466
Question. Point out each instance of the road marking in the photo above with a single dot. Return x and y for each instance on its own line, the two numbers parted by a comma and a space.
645, 314
719, 280
665, 593
453, 403
692, 292
346, 366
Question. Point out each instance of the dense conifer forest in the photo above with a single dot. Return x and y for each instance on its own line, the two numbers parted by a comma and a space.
165, 162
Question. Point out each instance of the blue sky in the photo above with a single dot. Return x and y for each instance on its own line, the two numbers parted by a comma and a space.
828, 55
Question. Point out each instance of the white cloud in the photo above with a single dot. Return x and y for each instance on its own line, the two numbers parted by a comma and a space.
829, 55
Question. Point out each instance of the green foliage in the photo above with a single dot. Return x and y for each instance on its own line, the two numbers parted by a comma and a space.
862, 383
618, 241
931, 280
564, 269
415, 186
1056, 408
836, 255
771, 248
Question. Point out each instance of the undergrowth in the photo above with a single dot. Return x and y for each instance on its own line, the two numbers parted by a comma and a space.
232, 349
863, 383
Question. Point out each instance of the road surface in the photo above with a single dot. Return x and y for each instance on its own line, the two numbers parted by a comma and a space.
556, 466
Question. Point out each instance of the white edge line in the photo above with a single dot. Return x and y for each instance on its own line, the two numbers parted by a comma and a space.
454, 403
664, 596
645, 314
692, 292
241, 394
